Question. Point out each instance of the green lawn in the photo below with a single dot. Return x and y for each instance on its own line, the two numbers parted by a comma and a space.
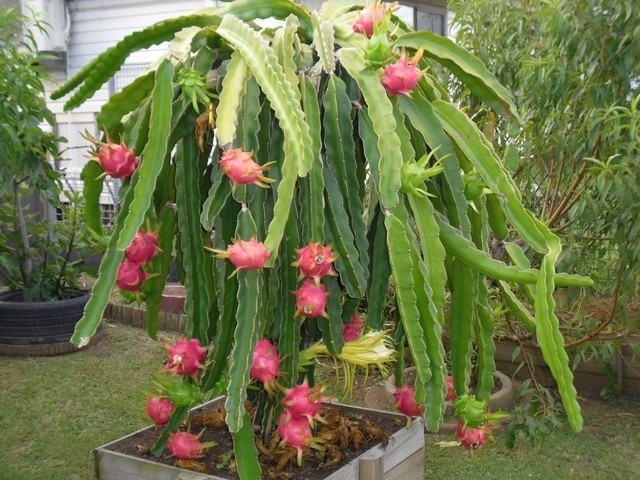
54, 410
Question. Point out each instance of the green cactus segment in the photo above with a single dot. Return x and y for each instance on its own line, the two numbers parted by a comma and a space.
338, 231
332, 328
286, 323
314, 198
154, 286
246, 337
101, 292
250, 288
125, 101
497, 217
245, 451
191, 238
264, 65
465, 250
252, 9
469, 69
463, 300
519, 258
227, 301
153, 154
233, 88
485, 345
219, 192
174, 424
474, 146
136, 127
323, 40
283, 44
400, 245
516, 308
550, 338
97, 72
380, 273
380, 111
422, 117
433, 251
92, 183
341, 160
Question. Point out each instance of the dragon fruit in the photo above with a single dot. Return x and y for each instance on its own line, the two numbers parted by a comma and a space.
185, 446
402, 76
315, 260
186, 357
470, 437
353, 330
238, 166
406, 402
246, 254
159, 410
117, 160
303, 401
143, 248
368, 18
295, 433
266, 363
311, 300
130, 276
451, 392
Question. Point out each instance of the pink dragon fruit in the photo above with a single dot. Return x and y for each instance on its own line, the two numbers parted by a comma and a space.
406, 402
130, 276
303, 401
369, 16
246, 254
117, 160
470, 437
185, 446
451, 392
143, 248
295, 433
159, 410
186, 357
315, 260
402, 76
242, 170
353, 330
266, 363
311, 300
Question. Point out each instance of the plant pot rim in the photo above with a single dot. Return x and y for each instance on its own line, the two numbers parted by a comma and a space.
8, 296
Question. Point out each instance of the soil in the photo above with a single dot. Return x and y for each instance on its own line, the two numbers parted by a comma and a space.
345, 436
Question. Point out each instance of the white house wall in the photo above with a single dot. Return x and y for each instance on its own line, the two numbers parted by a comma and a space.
95, 26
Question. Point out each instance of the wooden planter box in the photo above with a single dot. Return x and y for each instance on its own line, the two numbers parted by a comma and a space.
402, 459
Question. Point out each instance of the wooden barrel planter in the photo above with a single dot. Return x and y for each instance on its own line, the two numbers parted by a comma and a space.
39, 328
401, 459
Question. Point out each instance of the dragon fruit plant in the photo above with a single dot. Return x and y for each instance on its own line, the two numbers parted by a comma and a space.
319, 159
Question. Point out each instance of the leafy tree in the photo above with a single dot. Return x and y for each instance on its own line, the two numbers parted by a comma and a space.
574, 69
26, 146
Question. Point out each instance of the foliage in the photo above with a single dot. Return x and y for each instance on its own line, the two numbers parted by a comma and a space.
379, 177
35, 254
58, 250
574, 70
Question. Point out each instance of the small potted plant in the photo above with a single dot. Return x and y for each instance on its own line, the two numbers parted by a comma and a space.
296, 171
40, 259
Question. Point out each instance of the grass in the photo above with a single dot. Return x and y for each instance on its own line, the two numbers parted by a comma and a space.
54, 410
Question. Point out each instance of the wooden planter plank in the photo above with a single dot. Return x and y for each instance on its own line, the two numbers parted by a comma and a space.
402, 459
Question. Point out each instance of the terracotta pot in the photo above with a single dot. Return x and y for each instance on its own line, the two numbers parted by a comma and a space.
173, 297
402, 458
